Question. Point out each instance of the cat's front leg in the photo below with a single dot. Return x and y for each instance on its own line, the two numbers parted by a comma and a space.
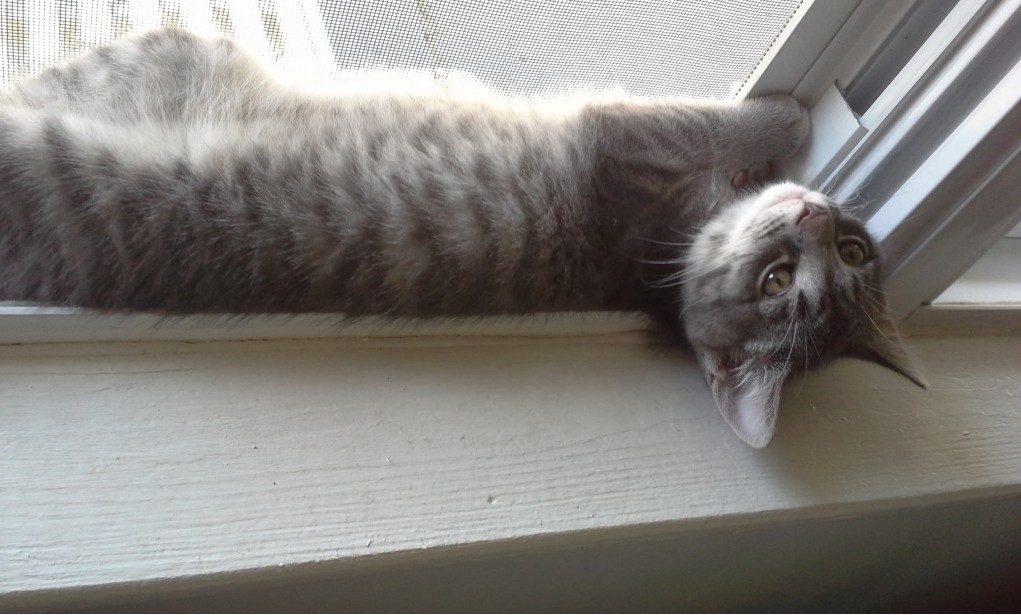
760, 129
657, 149
757, 135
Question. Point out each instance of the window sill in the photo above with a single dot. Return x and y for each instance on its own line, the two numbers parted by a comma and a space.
196, 464
995, 278
22, 323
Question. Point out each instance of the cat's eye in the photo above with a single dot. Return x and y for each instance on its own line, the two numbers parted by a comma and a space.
853, 251
777, 280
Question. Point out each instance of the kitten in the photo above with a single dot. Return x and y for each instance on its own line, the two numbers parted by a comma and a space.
173, 173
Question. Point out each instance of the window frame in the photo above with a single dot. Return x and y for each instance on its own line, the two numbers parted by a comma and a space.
949, 211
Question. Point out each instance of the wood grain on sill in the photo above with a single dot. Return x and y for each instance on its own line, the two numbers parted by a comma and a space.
142, 461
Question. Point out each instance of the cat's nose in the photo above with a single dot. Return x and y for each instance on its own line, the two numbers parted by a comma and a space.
813, 214
814, 221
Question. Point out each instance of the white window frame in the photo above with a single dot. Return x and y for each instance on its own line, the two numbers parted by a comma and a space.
947, 213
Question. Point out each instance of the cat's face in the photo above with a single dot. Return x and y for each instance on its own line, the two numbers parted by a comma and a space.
778, 282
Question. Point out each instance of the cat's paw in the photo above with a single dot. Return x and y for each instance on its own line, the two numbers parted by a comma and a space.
782, 122
753, 177
801, 127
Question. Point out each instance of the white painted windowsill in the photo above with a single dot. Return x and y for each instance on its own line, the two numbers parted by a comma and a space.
995, 278
201, 463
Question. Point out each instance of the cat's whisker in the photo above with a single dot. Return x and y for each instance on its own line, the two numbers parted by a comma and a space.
690, 235
693, 304
668, 282
854, 203
790, 353
878, 330
662, 285
801, 380
783, 342
871, 301
677, 278
811, 338
670, 261
672, 244
681, 277
881, 307
669, 279
807, 336
875, 289
853, 208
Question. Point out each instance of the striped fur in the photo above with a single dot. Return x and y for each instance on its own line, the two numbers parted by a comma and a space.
173, 173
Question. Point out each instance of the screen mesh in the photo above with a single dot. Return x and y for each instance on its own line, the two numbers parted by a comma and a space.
693, 48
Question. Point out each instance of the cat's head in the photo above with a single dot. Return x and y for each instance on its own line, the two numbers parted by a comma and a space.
776, 283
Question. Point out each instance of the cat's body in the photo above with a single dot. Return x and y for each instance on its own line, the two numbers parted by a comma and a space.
172, 173
386, 203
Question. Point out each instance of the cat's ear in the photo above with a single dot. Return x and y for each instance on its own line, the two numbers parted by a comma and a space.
883, 345
748, 396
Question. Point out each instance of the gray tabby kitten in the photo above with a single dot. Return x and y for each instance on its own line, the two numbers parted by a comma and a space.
173, 173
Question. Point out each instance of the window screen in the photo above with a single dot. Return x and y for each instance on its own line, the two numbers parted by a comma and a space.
692, 48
